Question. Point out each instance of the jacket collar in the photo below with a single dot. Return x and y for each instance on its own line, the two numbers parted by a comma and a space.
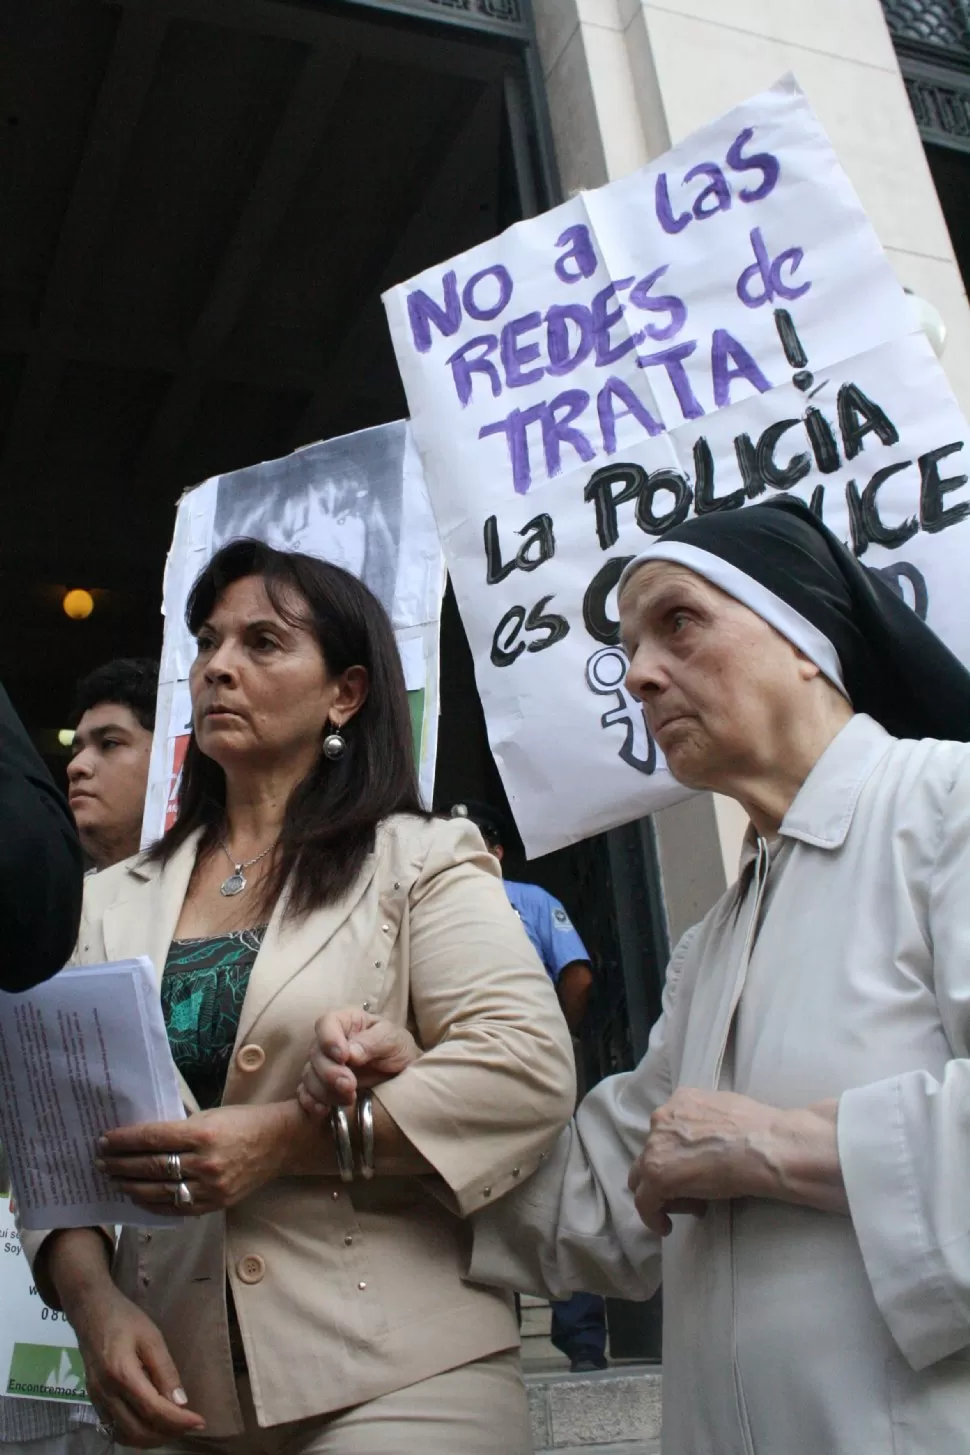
825, 805
822, 811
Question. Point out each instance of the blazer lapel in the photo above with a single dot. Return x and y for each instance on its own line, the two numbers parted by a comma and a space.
289, 945
142, 922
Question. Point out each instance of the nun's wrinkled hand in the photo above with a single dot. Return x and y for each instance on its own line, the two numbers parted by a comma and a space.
703, 1146
353, 1050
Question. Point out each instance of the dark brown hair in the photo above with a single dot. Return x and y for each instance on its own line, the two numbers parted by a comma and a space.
331, 819
130, 682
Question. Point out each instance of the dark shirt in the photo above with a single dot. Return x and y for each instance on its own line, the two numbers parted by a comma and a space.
41, 869
203, 989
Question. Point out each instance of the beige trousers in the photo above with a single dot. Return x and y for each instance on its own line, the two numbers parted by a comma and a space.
479, 1409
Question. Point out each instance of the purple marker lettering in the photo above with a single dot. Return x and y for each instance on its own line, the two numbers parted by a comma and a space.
579, 250
725, 351
464, 363
763, 162
673, 361
768, 272
515, 354
515, 429
557, 429
604, 320
558, 320
619, 391
424, 311
663, 303
485, 312
665, 212
718, 190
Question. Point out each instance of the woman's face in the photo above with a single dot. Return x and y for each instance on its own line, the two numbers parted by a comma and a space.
261, 692
716, 682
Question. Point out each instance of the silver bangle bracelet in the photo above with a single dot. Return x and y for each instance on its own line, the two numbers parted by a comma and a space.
340, 1126
365, 1125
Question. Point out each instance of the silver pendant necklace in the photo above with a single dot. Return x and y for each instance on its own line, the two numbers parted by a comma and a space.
237, 881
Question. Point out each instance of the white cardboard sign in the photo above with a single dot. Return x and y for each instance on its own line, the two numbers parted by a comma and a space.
717, 327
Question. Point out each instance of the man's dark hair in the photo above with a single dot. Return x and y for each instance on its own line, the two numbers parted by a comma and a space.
130, 682
331, 819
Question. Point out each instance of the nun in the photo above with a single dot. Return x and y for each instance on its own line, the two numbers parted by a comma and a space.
791, 1158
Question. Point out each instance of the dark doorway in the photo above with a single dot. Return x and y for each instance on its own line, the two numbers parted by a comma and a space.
203, 202
951, 175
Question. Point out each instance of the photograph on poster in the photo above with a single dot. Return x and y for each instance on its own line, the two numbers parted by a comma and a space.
340, 498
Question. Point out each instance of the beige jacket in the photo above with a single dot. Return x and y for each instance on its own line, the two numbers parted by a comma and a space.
344, 1293
840, 969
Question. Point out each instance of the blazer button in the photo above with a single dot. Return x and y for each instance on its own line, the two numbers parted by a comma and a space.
251, 1269
250, 1058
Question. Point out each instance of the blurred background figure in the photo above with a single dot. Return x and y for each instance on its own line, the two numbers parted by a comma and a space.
108, 771
579, 1322
40, 863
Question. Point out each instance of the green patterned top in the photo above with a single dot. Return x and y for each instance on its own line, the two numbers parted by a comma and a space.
203, 990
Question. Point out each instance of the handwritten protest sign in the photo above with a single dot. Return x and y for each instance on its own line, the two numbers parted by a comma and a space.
359, 501
714, 328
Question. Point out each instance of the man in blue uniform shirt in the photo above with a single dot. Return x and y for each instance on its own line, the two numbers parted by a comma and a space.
579, 1322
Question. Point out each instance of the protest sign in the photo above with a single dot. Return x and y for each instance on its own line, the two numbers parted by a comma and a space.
717, 327
359, 501
39, 1356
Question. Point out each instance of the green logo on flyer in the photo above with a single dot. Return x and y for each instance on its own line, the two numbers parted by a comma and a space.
45, 1372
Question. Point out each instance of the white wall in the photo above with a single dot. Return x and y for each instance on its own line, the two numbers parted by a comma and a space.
626, 78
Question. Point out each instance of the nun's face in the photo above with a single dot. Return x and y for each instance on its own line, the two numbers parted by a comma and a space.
716, 682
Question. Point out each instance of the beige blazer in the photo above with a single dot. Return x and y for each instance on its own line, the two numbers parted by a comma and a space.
343, 1292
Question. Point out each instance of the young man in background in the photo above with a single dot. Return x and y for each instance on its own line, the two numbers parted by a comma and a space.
108, 772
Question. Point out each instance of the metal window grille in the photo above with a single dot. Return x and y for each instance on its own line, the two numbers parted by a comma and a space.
941, 24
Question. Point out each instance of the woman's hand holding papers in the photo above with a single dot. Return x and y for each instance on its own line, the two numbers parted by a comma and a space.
221, 1156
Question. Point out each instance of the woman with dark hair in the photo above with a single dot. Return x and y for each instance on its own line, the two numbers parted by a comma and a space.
792, 1154
311, 1280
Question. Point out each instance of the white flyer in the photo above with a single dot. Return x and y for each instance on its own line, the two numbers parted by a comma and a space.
82, 1053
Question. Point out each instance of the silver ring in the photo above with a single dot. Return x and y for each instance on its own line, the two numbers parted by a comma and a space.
183, 1195
173, 1167
106, 1429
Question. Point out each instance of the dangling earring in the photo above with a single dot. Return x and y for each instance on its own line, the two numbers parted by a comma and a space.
334, 745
